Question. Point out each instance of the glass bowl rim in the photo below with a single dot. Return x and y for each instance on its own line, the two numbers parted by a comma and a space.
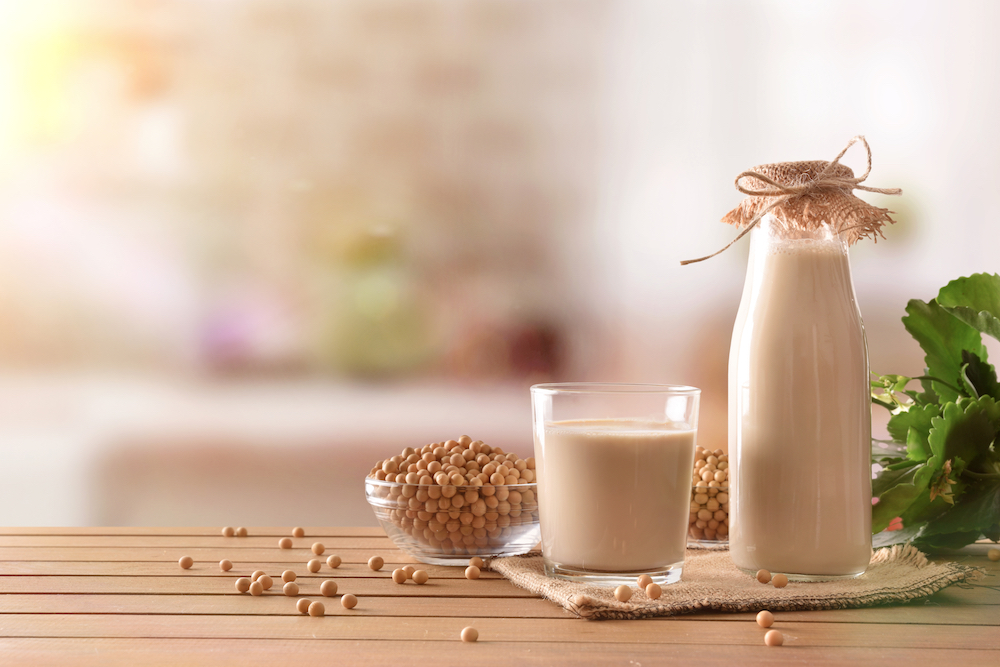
552, 388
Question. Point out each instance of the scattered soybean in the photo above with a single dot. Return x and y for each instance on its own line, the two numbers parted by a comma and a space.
328, 588
376, 563
774, 638
185, 562
469, 634
623, 593
225, 565
765, 619
334, 561
349, 601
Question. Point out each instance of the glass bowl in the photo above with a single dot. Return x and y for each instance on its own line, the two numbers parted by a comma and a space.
423, 520
708, 523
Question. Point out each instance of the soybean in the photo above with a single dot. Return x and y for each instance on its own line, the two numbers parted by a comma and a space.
291, 589
185, 562
376, 563
317, 608
420, 577
257, 575
328, 588
765, 619
303, 605
779, 581
314, 565
242, 584
472, 572
298, 532
266, 582
644, 580
285, 543
763, 576
241, 532
623, 593
399, 576
469, 634
256, 588
288, 575
318, 548
774, 638
225, 565
349, 601
228, 531
653, 591
477, 561
333, 561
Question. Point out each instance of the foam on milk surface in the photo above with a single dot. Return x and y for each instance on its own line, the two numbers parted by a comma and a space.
614, 494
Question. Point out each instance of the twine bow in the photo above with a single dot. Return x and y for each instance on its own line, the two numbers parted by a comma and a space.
825, 180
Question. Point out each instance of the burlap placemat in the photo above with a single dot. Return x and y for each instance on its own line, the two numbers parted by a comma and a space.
712, 583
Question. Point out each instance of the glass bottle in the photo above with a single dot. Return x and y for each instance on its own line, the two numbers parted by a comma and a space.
799, 409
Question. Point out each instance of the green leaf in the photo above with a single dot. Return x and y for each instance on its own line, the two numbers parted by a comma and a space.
901, 473
966, 434
979, 292
918, 419
981, 375
898, 491
976, 511
942, 337
946, 540
887, 538
982, 320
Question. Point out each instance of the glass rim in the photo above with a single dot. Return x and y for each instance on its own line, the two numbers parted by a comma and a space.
552, 388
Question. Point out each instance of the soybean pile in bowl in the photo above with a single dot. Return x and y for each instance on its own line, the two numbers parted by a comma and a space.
448, 501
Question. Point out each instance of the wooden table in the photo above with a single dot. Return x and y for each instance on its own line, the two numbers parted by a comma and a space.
100, 596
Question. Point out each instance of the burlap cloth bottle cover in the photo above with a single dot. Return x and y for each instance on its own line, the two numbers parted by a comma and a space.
803, 194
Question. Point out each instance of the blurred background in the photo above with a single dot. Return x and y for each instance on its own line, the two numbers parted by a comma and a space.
249, 247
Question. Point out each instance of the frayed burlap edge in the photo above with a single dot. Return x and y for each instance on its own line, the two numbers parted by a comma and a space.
712, 583
850, 217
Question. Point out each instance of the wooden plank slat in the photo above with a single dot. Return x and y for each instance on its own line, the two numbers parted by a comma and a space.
209, 531
200, 555
519, 607
299, 544
182, 585
86, 652
240, 568
346, 626
913, 614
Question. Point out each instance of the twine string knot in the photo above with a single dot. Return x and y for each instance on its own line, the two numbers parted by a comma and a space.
825, 180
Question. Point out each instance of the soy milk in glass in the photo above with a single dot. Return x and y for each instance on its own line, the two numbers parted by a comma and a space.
613, 465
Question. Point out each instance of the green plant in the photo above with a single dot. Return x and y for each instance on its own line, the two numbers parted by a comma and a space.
941, 469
